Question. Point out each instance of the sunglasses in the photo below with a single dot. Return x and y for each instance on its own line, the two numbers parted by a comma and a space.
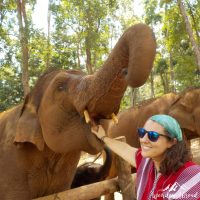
152, 135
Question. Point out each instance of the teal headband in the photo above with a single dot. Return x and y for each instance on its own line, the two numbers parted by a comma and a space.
170, 125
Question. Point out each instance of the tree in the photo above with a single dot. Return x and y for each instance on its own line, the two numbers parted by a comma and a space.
190, 32
23, 34
152, 18
48, 35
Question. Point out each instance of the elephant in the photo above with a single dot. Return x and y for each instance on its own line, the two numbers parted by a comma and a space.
91, 172
42, 138
184, 107
187, 112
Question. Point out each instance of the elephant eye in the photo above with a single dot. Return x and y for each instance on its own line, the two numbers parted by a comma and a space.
62, 86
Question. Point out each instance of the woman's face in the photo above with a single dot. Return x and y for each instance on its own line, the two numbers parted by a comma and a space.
155, 150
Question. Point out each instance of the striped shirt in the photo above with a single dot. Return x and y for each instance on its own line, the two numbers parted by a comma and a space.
182, 184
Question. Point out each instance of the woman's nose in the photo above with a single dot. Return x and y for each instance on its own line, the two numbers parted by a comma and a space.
145, 138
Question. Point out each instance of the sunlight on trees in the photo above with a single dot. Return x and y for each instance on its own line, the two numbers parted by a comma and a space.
82, 33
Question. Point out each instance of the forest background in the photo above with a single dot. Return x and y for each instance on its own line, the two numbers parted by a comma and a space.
81, 34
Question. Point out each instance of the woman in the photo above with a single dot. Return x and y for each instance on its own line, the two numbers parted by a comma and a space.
164, 167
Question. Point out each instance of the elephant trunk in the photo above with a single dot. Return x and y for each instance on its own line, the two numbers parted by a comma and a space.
129, 63
104, 170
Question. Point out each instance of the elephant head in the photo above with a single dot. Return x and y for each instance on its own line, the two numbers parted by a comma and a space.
52, 113
187, 112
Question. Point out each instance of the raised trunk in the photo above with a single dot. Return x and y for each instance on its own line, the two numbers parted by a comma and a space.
104, 170
130, 62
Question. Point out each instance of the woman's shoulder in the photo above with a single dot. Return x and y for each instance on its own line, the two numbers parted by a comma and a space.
191, 166
190, 170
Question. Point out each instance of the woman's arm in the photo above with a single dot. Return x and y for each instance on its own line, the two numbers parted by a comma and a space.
122, 149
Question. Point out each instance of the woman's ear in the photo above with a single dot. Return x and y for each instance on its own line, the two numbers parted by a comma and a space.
175, 141
172, 142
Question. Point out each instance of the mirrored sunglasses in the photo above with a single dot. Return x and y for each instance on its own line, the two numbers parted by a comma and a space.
152, 135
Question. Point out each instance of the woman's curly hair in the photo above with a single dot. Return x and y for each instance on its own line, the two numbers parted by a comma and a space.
175, 157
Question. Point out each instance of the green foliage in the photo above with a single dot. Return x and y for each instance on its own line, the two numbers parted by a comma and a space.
81, 25
152, 15
78, 26
162, 66
10, 88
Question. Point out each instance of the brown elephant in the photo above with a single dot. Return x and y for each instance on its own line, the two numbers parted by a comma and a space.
41, 140
187, 112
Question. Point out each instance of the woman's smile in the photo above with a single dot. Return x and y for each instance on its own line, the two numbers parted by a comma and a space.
145, 148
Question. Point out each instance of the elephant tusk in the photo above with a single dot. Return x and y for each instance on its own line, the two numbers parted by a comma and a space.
114, 118
87, 116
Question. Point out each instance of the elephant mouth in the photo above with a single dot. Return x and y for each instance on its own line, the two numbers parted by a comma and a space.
95, 144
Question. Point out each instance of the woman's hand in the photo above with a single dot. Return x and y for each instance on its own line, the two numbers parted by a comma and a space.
98, 131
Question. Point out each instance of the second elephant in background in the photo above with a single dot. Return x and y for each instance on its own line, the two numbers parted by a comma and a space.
184, 107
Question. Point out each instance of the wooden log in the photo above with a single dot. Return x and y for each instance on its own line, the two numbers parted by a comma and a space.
86, 192
126, 183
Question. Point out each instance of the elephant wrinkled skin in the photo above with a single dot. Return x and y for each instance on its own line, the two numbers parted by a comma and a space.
187, 112
41, 140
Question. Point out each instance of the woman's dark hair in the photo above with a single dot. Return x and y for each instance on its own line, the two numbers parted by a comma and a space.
175, 157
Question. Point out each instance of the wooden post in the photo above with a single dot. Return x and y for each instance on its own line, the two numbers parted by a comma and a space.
126, 183
86, 192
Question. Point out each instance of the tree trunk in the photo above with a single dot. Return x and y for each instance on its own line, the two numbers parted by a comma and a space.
48, 35
152, 85
195, 23
88, 56
171, 66
23, 31
190, 33
134, 93
78, 56
164, 83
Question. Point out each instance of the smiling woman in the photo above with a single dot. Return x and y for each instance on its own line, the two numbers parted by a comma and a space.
164, 166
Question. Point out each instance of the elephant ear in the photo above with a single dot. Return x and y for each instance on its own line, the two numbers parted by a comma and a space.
28, 127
